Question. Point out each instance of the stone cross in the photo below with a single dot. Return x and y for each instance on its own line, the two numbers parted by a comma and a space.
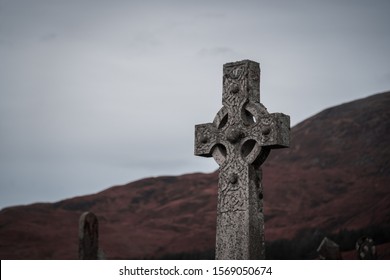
240, 139
88, 236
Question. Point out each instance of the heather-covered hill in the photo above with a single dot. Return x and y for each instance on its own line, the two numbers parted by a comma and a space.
336, 173
334, 178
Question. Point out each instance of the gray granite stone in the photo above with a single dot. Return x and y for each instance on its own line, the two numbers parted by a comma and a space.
239, 139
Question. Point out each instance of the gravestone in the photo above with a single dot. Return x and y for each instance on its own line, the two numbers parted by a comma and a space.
329, 250
239, 139
88, 237
365, 248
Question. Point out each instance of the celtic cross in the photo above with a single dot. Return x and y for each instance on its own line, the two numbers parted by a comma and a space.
240, 139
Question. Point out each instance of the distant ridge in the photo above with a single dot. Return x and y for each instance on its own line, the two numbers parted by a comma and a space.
334, 177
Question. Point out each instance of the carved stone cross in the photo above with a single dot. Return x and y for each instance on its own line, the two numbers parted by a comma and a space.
240, 139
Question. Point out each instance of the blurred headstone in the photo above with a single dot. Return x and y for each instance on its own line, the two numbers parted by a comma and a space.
365, 248
88, 237
329, 250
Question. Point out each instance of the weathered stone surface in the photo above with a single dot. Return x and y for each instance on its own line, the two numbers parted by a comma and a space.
240, 139
88, 237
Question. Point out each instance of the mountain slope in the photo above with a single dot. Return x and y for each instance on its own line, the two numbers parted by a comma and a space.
334, 176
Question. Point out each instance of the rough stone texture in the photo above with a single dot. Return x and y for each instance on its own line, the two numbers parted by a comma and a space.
240, 139
329, 250
88, 237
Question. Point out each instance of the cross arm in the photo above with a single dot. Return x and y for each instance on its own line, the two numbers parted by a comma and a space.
274, 130
205, 139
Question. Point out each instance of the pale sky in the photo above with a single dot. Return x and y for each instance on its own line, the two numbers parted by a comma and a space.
99, 93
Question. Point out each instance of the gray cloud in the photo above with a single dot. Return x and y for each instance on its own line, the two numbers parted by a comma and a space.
96, 93
216, 51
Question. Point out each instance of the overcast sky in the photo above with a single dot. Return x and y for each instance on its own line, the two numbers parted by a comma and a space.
100, 93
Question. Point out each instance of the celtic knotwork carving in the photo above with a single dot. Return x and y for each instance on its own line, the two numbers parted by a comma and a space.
226, 175
239, 139
243, 132
234, 84
232, 193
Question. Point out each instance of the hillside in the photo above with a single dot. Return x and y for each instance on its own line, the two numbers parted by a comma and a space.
333, 177
335, 174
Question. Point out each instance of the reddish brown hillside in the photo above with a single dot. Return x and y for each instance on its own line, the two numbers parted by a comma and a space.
144, 219
334, 176
336, 173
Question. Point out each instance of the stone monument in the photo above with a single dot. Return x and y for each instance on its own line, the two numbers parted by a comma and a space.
366, 249
239, 139
329, 250
88, 237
